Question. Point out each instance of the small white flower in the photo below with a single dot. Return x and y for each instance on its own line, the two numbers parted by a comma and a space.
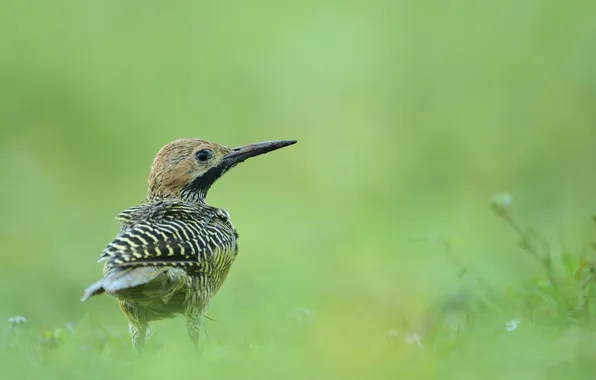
413, 338
17, 320
303, 315
512, 325
71, 327
392, 334
506, 199
501, 202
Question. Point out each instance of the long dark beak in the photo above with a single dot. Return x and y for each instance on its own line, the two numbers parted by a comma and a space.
241, 153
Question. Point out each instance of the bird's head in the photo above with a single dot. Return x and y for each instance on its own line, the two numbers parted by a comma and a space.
187, 168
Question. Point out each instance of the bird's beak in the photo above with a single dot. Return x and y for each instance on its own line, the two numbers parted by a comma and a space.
241, 153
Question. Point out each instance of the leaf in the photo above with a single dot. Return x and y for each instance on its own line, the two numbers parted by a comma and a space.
583, 268
511, 292
570, 263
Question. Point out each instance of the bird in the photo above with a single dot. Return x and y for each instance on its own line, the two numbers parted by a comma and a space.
174, 251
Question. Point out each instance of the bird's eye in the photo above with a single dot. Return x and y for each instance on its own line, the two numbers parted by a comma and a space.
203, 155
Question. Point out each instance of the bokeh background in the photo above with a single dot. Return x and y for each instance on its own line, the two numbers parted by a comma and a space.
410, 115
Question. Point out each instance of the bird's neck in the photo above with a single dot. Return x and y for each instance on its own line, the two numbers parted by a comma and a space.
187, 194
191, 194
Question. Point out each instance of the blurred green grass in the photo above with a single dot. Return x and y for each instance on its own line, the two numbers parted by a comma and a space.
409, 116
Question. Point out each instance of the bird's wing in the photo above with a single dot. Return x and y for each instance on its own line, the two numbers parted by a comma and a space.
172, 234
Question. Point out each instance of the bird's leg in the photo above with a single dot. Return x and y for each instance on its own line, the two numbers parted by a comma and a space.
138, 328
148, 332
138, 334
193, 325
197, 300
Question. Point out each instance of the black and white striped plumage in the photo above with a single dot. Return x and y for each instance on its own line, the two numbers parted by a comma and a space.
169, 258
173, 251
191, 235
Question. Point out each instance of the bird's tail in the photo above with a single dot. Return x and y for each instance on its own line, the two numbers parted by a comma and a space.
93, 289
122, 279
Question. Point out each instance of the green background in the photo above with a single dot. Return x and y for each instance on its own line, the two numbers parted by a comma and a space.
409, 116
